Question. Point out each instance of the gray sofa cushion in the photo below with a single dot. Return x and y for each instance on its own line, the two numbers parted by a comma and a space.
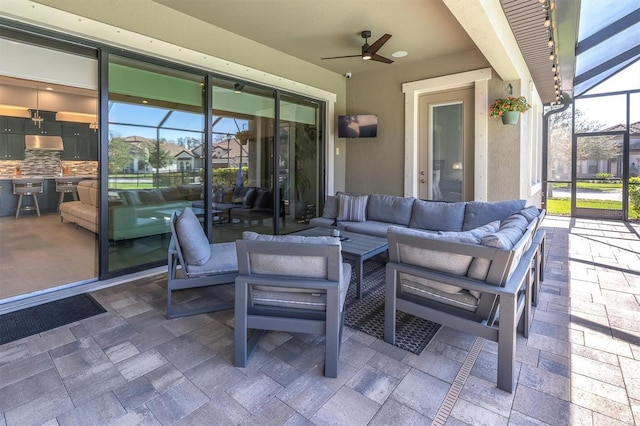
437, 216
457, 264
321, 221
369, 227
510, 232
478, 213
390, 209
193, 241
352, 207
330, 209
530, 213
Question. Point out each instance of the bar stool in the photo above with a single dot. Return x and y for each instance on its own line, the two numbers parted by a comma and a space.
27, 186
67, 185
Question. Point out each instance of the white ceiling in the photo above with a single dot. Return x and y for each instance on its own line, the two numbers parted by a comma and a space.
313, 29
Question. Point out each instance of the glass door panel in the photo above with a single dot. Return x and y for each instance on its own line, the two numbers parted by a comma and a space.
299, 161
242, 160
446, 151
447, 145
599, 172
156, 134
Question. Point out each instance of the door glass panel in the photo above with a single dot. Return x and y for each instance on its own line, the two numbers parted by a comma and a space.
447, 152
599, 173
559, 163
299, 161
242, 160
156, 124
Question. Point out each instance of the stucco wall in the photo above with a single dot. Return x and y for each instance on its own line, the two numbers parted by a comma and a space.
504, 149
377, 165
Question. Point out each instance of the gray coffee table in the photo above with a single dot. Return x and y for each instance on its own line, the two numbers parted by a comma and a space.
358, 247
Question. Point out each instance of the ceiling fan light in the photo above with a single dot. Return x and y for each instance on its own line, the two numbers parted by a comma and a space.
366, 56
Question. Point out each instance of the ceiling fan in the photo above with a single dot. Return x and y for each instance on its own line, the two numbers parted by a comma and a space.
369, 51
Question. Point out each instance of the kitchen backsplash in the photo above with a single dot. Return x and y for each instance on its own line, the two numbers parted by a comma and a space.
39, 162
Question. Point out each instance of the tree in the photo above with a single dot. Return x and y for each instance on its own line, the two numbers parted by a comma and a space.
120, 155
158, 156
590, 148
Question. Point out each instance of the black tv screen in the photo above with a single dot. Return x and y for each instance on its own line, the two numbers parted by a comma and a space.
357, 126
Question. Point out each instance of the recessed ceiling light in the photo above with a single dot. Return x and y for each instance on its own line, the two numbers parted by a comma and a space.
399, 54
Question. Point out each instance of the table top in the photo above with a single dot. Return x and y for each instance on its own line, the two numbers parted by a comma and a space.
356, 244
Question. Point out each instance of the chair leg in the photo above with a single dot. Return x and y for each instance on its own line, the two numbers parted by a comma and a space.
19, 206
506, 342
35, 200
240, 325
390, 305
332, 334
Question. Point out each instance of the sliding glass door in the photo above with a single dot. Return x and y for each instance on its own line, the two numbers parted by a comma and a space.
156, 122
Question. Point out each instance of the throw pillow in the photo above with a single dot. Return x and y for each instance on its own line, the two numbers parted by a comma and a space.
193, 241
330, 209
352, 207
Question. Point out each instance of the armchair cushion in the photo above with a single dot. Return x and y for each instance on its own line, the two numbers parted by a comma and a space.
352, 207
222, 259
303, 266
193, 241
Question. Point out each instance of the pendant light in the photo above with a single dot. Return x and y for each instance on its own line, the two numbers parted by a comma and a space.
37, 120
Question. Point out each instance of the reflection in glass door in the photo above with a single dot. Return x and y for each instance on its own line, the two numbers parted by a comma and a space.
599, 176
299, 161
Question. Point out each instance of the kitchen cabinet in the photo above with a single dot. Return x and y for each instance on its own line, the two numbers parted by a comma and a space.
70, 129
8, 201
47, 127
11, 146
80, 142
11, 125
77, 148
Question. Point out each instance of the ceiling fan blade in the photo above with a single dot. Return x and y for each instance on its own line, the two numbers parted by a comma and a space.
378, 44
338, 57
381, 59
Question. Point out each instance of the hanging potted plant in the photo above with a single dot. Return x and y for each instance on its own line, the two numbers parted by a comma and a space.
509, 108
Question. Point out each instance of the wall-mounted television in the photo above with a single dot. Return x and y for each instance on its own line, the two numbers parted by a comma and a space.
357, 126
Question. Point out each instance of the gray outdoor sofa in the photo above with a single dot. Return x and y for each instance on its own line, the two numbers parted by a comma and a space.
473, 266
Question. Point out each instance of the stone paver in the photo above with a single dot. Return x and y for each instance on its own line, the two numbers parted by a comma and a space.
130, 365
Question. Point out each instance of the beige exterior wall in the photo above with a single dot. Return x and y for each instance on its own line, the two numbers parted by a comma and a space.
377, 165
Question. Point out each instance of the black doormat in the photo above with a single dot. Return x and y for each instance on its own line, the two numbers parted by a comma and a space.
29, 321
413, 334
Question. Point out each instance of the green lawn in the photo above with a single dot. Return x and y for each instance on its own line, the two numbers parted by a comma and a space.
592, 186
562, 206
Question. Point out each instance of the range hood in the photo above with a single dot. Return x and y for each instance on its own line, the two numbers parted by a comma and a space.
50, 143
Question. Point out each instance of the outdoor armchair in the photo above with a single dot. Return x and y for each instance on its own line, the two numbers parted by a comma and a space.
193, 262
290, 283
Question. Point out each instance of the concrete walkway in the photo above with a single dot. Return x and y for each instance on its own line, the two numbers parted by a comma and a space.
580, 365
